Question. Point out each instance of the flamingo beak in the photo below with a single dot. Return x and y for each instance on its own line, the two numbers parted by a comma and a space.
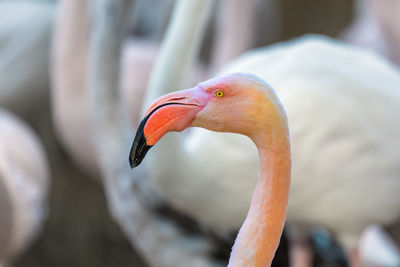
172, 112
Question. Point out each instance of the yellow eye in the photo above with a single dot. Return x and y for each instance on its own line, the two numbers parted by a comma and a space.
219, 93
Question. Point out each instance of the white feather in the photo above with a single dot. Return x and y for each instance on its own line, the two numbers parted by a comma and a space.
377, 248
342, 105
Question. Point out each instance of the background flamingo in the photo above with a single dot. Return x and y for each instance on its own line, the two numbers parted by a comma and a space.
25, 30
24, 181
148, 231
70, 90
376, 26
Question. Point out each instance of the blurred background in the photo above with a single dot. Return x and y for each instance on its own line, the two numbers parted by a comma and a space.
75, 225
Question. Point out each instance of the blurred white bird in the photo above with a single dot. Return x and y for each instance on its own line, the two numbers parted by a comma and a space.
24, 179
377, 248
70, 91
377, 27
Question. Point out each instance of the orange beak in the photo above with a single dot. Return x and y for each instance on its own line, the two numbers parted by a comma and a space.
172, 112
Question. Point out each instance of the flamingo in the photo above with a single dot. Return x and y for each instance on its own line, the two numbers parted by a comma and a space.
204, 197
375, 171
147, 230
70, 90
376, 27
244, 104
326, 99
24, 179
388, 20
186, 192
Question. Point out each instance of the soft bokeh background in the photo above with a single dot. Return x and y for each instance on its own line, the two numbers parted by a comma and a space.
79, 230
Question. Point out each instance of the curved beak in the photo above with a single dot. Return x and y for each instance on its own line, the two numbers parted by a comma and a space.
172, 112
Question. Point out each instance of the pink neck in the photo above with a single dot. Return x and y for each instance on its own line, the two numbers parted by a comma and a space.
259, 236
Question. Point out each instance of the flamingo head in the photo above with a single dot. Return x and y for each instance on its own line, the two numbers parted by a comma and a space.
233, 103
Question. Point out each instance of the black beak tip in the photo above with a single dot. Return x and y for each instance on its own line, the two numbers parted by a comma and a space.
138, 152
139, 146
132, 162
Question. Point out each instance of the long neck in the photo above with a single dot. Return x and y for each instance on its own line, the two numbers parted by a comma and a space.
178, 52
70, 56
259, 236
228, 45
179, 48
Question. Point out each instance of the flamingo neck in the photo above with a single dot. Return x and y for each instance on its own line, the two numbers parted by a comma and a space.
259, 235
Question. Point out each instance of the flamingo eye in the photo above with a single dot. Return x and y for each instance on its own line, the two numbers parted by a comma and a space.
219, 93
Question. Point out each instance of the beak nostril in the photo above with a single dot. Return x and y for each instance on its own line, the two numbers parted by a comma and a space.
176, 98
